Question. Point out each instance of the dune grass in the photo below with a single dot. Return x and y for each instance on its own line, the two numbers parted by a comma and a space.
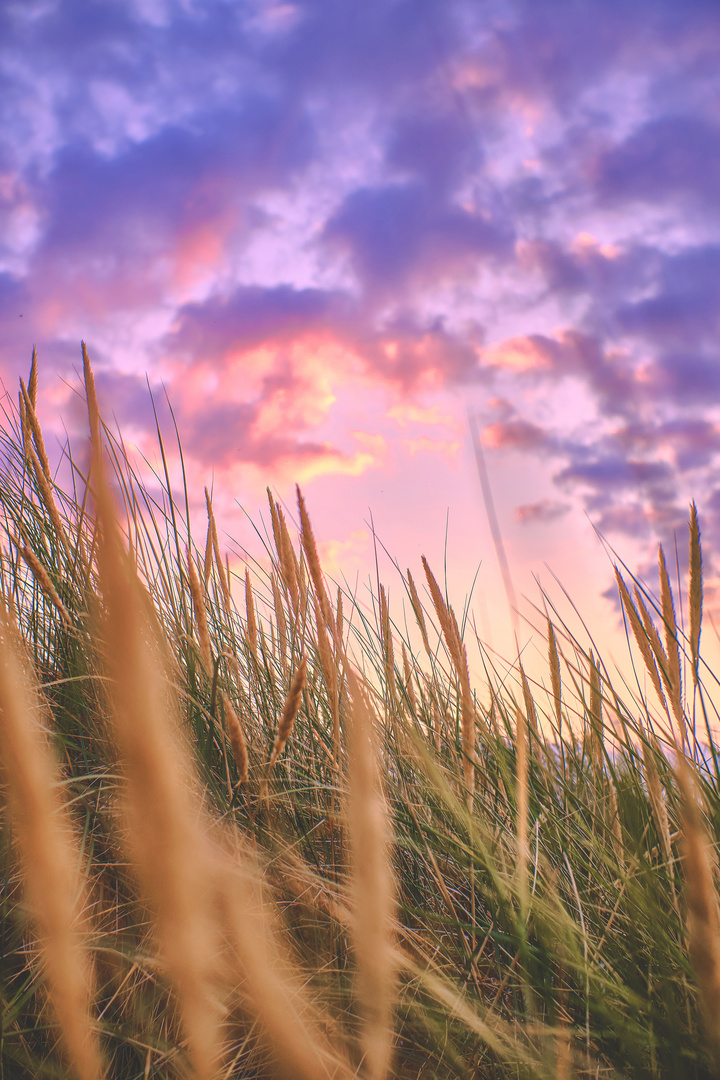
256, 828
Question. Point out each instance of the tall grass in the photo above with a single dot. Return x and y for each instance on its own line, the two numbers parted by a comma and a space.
299, 845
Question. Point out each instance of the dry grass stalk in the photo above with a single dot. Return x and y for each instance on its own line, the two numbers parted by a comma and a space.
268, 985
280, 620
221, 570
45, 489
458, 655
671, 645
310, 548
24, 426
339, 617
207, 560
696, 591
236, 735
419, 614
285, 552
251, 620
437, 719
50, 857
409, 687
165, 824
200, 615
521, 795
43, 579
92, 402
373, 890
441, 610
33, 380
653, 637
702, 903
34, 425
467, 721
640, 636
657, 799
289, 713
388, 651
556, 682
330, 677
596, 717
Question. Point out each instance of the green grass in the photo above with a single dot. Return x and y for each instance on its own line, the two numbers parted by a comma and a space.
562, 955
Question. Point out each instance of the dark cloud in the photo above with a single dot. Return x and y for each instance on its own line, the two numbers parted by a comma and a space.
684, 306
666, 158
400, 232
438, 149
252, 315
613, 473
143, 196
687, 378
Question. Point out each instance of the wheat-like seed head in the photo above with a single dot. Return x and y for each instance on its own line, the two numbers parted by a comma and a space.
43, 579
702, 903
50, 855
251, 620
441, 610
37, 434
409, 687
329, 671
269, 985
280, 619
556, 682
92, 402
289, 713
373, 889
200, 615
640, 636
671, 645
418, 612
657, 799
33, 380
311, 553
236, 736
166, 824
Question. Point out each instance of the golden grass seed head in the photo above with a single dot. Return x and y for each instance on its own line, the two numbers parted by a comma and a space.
201, 623
418, 612
50, 856
702, 903
289, 713
639, 635
43, 579
251, 619
33, 380
555, 679
310, 547
236, 736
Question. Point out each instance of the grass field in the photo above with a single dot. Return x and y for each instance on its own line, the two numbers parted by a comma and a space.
293, 839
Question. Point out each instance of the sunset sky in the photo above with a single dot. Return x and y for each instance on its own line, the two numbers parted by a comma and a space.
332, 228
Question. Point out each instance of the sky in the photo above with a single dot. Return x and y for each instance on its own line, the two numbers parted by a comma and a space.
329, 231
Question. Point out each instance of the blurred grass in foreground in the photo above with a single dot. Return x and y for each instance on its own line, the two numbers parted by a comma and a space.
281, 841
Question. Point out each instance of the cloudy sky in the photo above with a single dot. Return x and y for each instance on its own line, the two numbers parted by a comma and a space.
331, 229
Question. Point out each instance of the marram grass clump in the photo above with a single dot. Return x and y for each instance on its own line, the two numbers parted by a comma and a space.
292, 838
